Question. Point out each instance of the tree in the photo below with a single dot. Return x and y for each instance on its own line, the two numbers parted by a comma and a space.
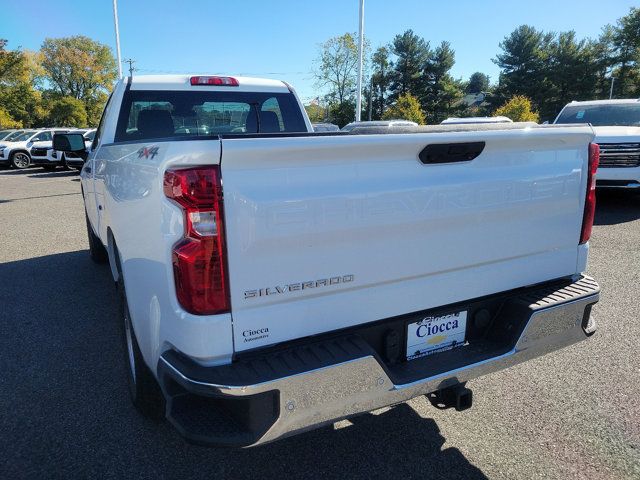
67, 111
6, 121
412, 54
518, 109
406, 107
524, 63
380, 81
626, 43
572, 75
342, 113
478, 82
80, 68
441, 94
18, 76
315, 112
338, 66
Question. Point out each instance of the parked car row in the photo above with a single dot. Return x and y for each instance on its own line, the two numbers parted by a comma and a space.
33, 147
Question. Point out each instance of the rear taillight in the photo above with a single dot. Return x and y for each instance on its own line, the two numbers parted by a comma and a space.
590, 201
199, 258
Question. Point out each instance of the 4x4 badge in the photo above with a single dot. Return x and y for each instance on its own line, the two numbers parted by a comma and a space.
147, 152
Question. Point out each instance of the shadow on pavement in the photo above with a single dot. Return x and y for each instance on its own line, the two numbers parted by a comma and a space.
53, 174
616, 206
65, 410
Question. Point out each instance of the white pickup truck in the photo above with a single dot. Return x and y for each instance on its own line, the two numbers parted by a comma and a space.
274, 280
616, 124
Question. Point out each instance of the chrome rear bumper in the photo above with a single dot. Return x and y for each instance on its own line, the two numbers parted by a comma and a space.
301, 389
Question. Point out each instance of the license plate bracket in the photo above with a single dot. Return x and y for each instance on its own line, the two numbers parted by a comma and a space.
436, 333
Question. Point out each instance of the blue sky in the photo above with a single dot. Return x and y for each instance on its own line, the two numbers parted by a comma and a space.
280, 38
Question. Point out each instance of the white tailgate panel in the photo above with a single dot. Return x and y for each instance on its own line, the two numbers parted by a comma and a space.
408, 236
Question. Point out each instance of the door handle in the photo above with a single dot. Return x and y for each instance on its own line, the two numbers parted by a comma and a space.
450, 152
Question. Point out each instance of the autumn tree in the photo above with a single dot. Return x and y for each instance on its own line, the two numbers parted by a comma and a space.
81, 68
315, 112
19, 100
518, 109
406, 107
66, 111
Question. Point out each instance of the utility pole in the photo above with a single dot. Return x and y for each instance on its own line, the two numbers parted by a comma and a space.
360, 54
115, 22
613, 79
130, 62
370, 97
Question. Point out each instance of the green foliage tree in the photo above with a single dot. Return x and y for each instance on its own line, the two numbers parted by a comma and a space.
523, 61
380, 81
412, 53
570, 75
342, 113
626, 45
478, 82
67, 111
441, 94
338, 66
518, 109
406, 107
81, 68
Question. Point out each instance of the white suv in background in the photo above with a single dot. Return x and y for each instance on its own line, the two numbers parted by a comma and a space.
16, 151
617, 127
42, 153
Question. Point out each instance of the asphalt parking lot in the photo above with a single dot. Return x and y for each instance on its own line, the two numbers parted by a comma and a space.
65, 411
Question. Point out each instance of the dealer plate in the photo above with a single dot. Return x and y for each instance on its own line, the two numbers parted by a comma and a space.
436, 334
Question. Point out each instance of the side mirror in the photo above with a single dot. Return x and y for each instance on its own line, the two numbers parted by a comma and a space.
546, 122
70, 142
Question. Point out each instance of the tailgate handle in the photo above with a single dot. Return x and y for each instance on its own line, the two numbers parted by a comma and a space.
450, 152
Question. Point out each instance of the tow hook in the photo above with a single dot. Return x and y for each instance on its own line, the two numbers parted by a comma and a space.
458, 397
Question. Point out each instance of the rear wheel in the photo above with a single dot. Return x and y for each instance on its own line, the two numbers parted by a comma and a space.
96, 249
143, 387
20, 160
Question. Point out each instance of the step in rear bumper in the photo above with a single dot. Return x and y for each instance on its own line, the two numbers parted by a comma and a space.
287, 392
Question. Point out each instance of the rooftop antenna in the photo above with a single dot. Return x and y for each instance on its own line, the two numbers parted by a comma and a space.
115, 22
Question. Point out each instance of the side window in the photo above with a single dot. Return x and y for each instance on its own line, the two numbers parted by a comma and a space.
45, 137
272, 105
96, 139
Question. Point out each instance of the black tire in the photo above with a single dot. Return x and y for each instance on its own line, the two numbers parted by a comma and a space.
145, 392
49, 168
20, 160
96, 249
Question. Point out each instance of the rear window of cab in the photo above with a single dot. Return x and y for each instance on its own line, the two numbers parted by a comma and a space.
147, 115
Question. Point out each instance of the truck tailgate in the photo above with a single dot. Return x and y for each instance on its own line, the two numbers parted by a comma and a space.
325, 233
